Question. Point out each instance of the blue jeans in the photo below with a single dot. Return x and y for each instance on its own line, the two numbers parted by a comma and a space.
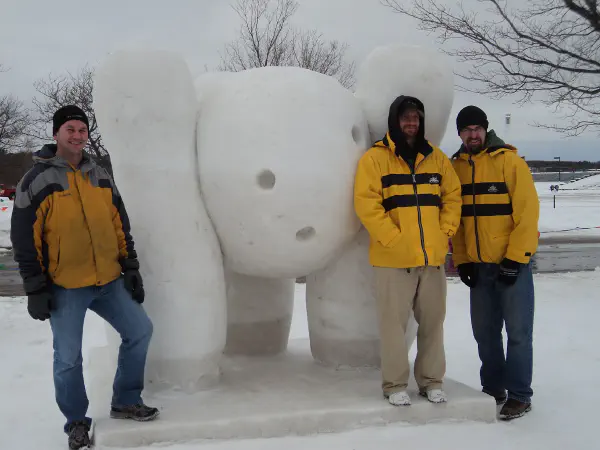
114, 304
493, 305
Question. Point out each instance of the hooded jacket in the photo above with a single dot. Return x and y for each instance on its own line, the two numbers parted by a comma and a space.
69, 225
500, 210
409, 212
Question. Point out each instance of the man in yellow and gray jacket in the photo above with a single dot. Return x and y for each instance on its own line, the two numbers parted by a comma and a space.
492, 251
71, 238
407, 196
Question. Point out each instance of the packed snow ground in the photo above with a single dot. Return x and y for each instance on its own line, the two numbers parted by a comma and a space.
564, 404
577, 210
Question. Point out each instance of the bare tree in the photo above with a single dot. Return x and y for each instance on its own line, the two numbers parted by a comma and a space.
312, 52
544, 50
13, 166
14, 121
267, 38
58, 91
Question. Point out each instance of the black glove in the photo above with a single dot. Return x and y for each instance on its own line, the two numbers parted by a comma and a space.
468, 274
39, 304
509, 271
132, 279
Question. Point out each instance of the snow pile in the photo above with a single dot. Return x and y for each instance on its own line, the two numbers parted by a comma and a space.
588, 182
6, 207
576, 212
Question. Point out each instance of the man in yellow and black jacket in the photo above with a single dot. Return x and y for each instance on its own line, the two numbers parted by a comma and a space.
492, 251
407, 196
71, 238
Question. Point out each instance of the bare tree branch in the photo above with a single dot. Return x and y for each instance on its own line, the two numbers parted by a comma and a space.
545, 50
14, 121
267, 38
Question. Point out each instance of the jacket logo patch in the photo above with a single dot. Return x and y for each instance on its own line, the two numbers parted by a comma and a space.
434, 180
493, 189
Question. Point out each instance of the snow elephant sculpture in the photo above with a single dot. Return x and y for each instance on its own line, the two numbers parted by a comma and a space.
238, 183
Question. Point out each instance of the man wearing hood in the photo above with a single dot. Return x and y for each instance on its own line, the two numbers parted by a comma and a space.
71, 238
492, 251
407, 196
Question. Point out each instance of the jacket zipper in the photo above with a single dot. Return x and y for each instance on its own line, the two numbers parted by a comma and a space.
472, 164
87, 222
419, 214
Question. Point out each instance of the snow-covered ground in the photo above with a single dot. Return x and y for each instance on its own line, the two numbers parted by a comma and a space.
577, 209
5, 212
564, 414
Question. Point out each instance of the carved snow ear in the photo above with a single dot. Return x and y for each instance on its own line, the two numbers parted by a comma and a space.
138, 95
421, 72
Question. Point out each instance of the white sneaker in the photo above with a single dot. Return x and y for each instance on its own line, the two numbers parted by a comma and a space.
399, 399
435, 396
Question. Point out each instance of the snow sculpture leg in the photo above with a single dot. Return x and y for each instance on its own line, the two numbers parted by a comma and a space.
146, 107
259, 314
341, 298
342, 310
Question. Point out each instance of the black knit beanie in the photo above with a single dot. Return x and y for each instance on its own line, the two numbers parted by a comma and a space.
471, 115
66, 113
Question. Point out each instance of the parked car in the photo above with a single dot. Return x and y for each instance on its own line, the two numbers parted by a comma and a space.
9, 192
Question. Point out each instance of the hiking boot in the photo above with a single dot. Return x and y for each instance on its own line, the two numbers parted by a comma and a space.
500, 398
139, 412
514, 409
78, 435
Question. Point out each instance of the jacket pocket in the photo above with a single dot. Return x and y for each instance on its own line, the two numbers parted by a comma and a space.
394, 242
500, 226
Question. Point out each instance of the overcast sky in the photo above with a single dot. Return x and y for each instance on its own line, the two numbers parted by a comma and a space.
38, 37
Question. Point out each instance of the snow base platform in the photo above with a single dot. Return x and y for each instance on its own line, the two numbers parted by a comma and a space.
286, 395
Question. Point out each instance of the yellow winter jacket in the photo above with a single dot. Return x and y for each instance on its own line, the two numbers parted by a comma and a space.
410, 216
69, 225
500, 206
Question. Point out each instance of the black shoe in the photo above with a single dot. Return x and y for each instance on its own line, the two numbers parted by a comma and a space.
514, 409
500, 398
140, 412
78, 435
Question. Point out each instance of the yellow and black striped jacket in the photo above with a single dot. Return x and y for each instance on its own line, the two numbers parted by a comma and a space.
500, 210
410, 215
69, 225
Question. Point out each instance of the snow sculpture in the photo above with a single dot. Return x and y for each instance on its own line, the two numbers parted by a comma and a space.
237, 184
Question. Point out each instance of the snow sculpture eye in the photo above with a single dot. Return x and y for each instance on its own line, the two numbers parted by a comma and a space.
305, 234
266, 179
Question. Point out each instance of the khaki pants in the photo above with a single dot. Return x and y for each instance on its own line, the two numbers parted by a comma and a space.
423, 290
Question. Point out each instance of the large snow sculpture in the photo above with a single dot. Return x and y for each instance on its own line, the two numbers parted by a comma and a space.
237, 184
